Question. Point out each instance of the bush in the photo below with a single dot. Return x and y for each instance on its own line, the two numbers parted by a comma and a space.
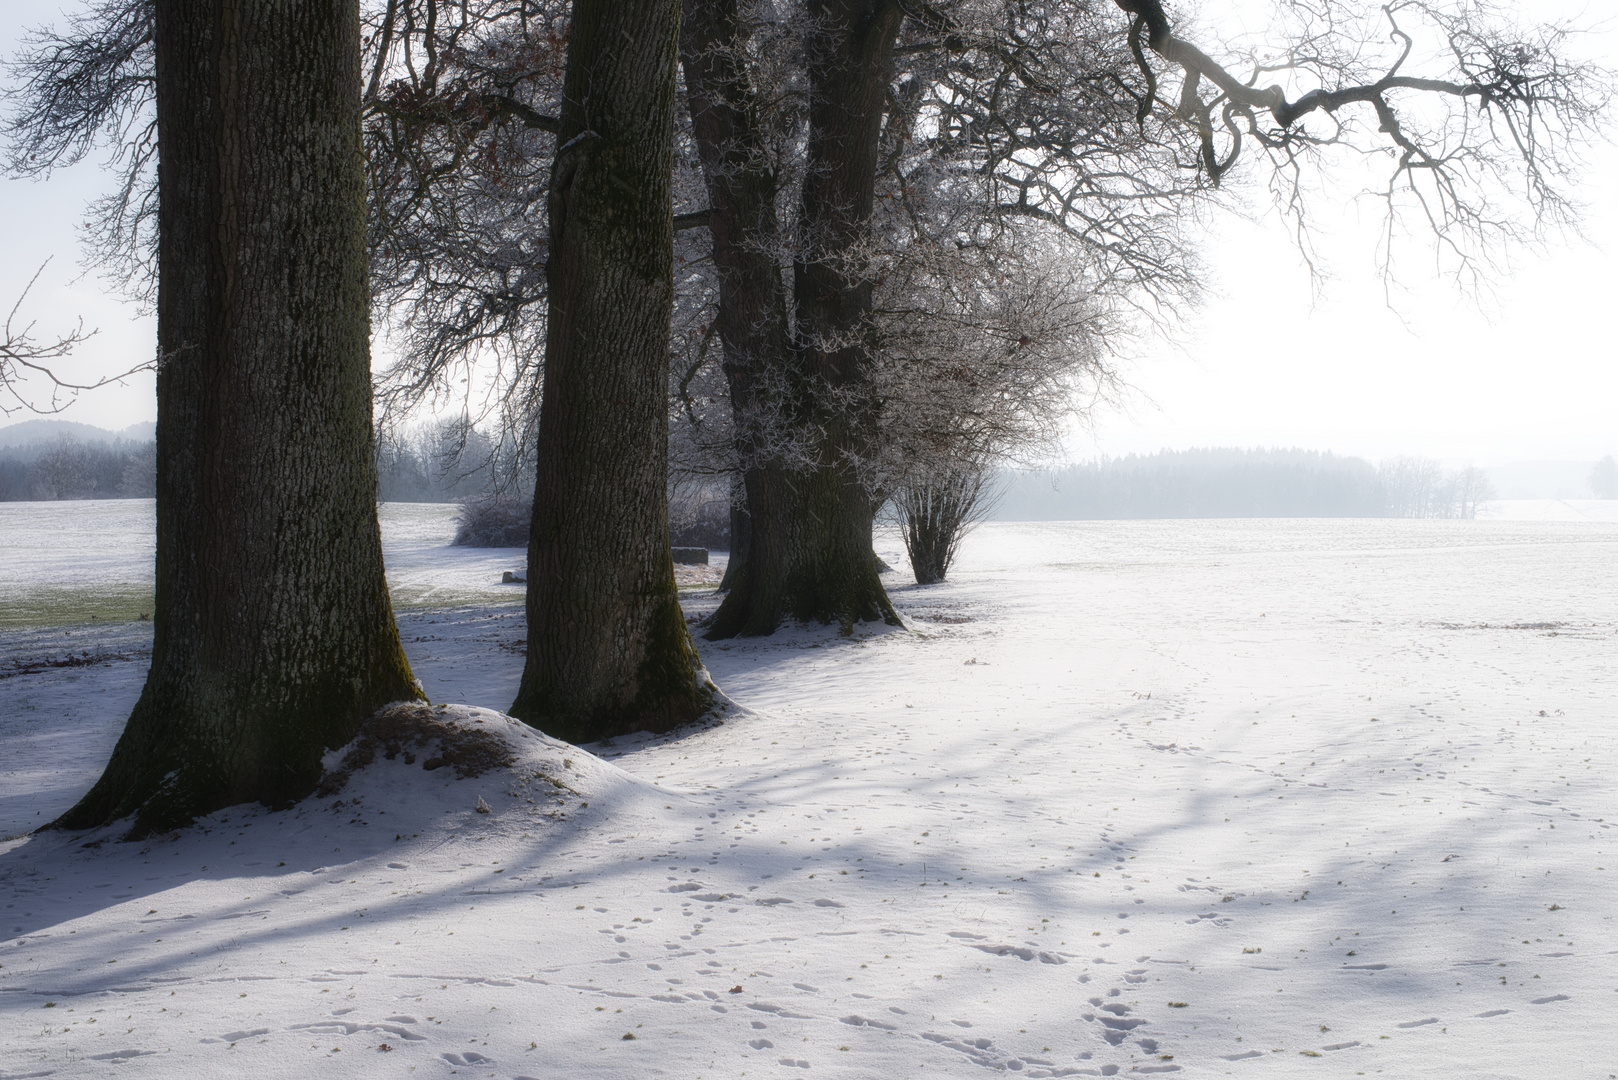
699, 517
493, 522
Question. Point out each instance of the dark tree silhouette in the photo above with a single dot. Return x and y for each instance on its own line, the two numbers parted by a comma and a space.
274, 636
608, 649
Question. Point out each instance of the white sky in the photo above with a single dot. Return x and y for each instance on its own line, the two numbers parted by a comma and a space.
1526, 374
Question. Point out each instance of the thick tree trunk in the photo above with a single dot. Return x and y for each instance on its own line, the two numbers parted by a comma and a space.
808, 555
608, 649
274, 637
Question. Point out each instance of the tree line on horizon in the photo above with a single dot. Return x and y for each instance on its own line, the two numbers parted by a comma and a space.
450, 460
69, 468
1231, 482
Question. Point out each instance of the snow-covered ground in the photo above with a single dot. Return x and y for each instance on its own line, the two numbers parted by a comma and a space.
1247, 798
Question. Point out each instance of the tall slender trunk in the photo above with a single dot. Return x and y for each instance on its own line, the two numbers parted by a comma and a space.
608, 649
808, 554
274, 637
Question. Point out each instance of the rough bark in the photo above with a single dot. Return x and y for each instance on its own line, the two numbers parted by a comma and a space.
274, 635
808, 552
608, 648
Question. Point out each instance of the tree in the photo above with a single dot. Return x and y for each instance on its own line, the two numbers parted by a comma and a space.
1106, 130
821, 128
274, 638
1604, 478
608, 649
1472, 489
935, 511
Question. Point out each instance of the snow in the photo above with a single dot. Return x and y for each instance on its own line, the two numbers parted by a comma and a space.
1246, 798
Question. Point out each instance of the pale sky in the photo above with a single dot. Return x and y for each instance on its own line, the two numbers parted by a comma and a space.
1528, 373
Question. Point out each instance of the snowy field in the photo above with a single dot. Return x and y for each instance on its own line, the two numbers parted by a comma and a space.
1219, 798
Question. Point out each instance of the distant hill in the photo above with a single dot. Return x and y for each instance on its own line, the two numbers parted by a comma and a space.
1209, 483
31, 433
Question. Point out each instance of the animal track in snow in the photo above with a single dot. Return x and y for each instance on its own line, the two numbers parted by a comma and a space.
1020, 953
116, 1055
467, 1057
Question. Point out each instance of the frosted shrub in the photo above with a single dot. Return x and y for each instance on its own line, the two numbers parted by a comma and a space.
493, 522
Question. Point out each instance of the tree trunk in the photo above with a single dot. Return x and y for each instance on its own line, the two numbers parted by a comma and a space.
741, 534
808, 554
608, 649
274, 636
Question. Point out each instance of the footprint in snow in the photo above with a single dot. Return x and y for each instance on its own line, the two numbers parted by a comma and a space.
1548, 1000
1020, 953
469, 1057
856, 1020
797, 1063
116, 1055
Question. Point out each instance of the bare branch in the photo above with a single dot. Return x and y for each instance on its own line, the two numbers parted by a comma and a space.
23, 359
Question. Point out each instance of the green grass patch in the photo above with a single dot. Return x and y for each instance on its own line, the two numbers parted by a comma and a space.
72, 605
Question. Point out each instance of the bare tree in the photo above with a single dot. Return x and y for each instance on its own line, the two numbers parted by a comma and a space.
608, 648
1604, 478
936, 509
831, 134
1414, 487
273, 632
1108, 131
1472, 489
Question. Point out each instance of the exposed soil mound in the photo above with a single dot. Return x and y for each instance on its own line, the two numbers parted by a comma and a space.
424, 732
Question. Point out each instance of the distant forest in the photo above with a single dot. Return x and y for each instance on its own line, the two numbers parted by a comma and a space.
65, 468
1226, 482
54, 460
449, 461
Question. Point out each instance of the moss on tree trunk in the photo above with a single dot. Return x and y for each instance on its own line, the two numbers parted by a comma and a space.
608, 648
274, 635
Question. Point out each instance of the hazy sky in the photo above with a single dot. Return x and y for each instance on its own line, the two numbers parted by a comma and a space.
1527, 373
